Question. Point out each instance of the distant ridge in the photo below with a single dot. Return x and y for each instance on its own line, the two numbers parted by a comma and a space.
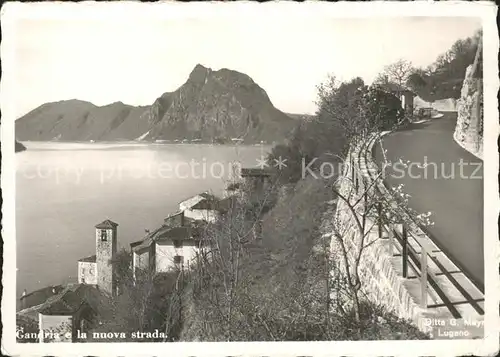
211, 106
300, 116
19, 147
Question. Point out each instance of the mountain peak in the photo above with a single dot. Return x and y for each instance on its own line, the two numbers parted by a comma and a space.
211, 106
200, 67
199, 72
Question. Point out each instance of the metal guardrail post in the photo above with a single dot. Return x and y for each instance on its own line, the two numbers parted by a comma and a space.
405, 251
423, 277
380, 221
365, 193
352, 169
390, 232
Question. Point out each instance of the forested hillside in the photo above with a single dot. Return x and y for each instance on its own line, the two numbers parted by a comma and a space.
443, 78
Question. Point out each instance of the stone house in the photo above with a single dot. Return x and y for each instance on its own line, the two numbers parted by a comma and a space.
405, 95
166, 248
38, 296
87, 270
256, 180
176, 243
202, 207
76, 307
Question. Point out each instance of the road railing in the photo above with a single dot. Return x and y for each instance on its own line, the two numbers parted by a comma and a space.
394, 222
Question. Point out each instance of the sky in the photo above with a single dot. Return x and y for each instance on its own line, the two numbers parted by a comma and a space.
106, 60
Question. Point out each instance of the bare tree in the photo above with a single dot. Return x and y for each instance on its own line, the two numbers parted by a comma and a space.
221, 272
359, 200
363, 209
141, 304
398, 73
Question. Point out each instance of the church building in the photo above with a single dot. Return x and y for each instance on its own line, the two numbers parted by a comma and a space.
97, 269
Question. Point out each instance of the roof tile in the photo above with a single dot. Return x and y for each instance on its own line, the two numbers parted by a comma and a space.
106, 224
91, 259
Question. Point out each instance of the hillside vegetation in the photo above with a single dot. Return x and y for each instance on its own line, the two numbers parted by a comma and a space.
443, 79
345, 108
267, 273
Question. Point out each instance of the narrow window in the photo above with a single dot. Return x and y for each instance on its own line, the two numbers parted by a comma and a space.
104, 235
177, 243
178, 259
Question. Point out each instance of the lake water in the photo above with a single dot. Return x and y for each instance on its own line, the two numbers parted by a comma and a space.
64, 189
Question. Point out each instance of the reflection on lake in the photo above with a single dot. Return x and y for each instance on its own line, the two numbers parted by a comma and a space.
64, 189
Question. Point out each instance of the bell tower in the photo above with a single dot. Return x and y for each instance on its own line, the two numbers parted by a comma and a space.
105, 247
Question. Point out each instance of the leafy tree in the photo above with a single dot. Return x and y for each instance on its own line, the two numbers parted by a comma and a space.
417, 79
443, 78
346, 110
383, 110
122, 262
292, 158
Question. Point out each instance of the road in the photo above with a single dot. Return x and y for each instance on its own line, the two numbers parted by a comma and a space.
453, 195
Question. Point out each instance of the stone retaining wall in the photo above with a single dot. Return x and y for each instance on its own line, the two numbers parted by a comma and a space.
380, 281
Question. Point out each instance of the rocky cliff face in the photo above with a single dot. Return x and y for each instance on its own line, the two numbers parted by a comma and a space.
220, 104
211, 105
469, 128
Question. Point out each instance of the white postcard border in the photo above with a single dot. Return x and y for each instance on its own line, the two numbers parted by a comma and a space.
11, 12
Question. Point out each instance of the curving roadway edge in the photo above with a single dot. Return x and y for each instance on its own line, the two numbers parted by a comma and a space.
450, 186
